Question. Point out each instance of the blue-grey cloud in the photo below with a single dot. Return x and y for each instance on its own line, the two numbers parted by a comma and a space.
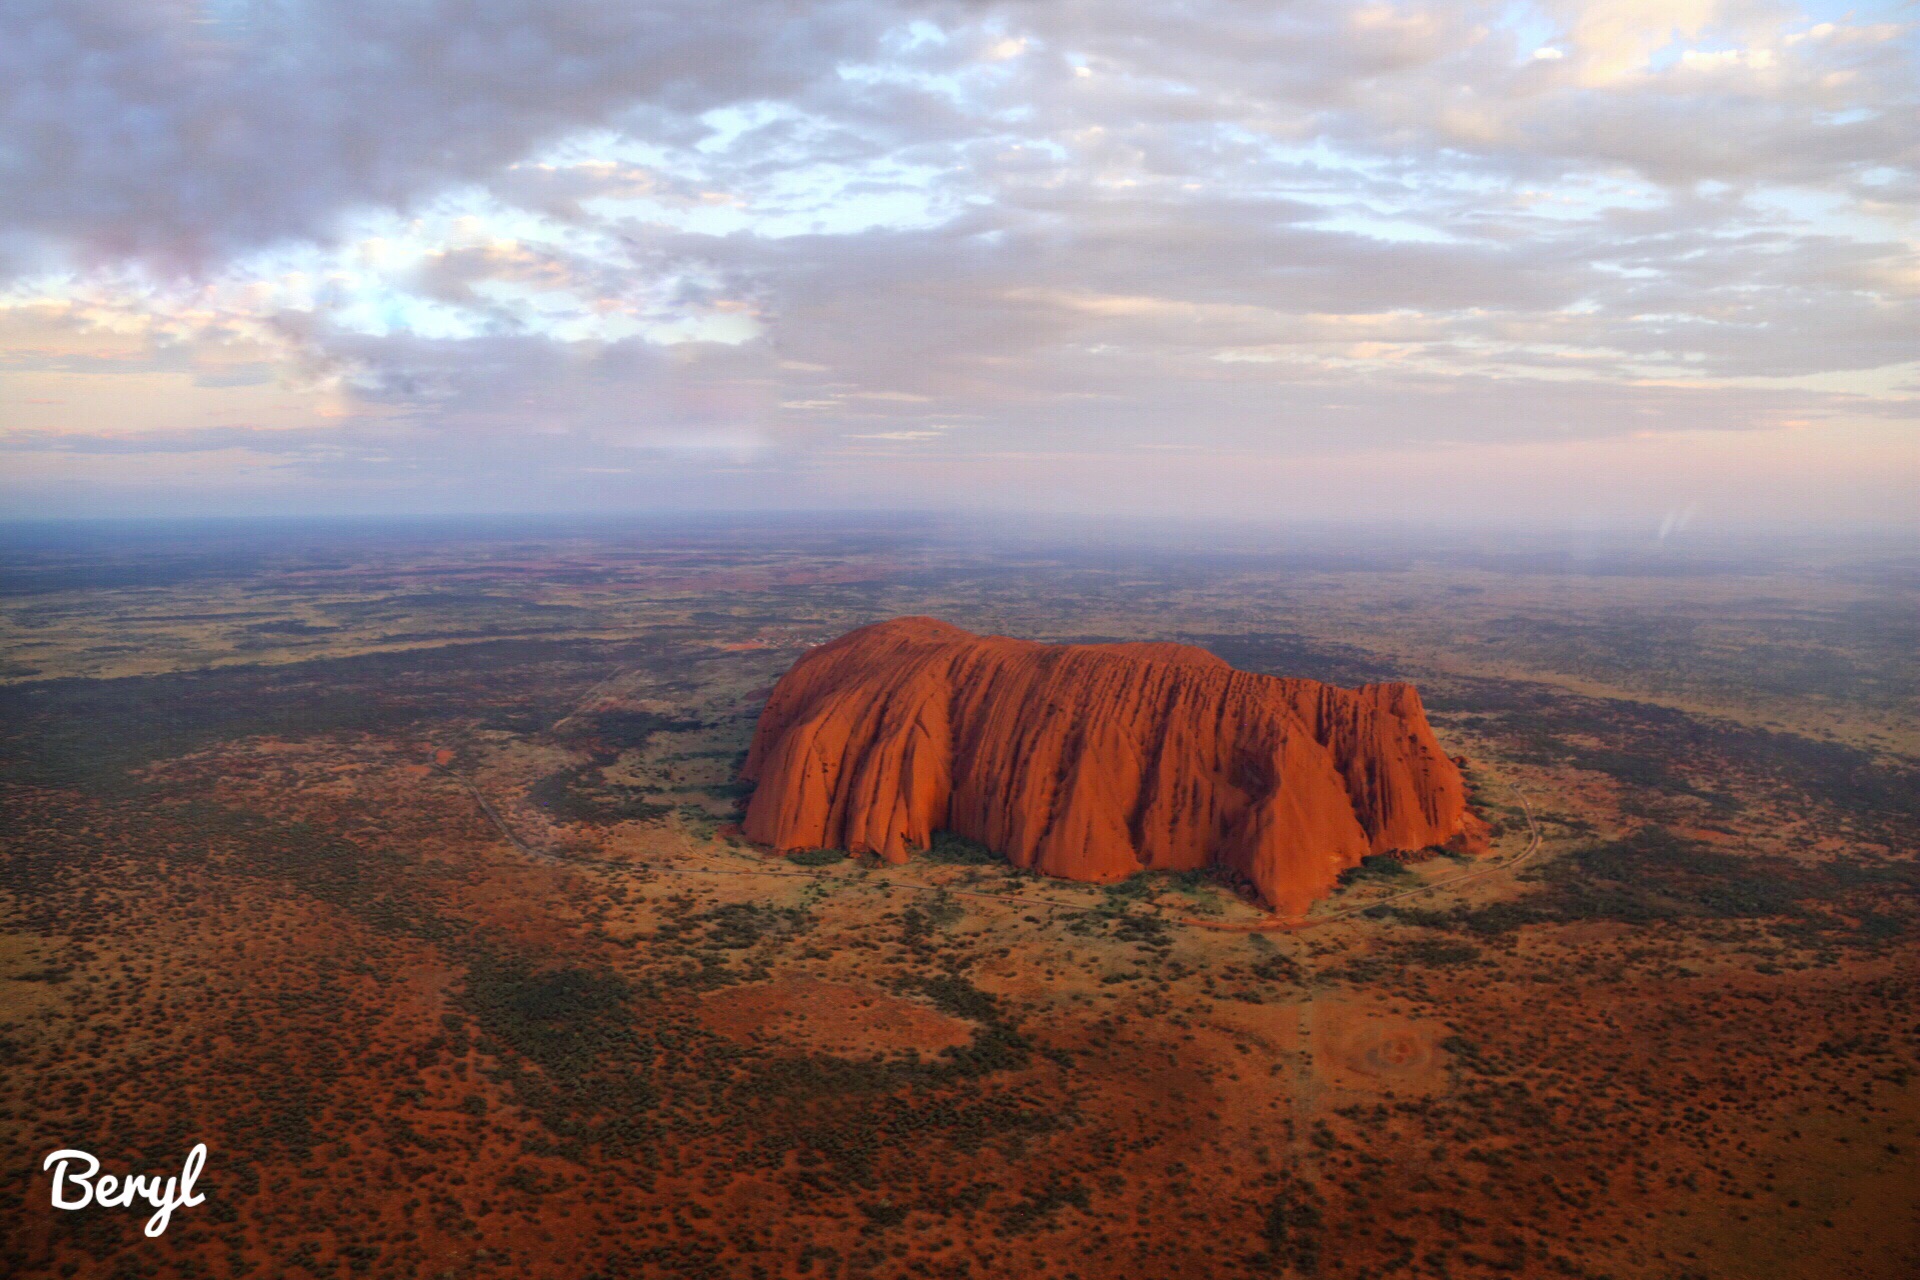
182, 130
564, 229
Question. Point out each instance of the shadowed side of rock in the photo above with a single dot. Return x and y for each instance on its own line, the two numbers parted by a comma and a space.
1094, 762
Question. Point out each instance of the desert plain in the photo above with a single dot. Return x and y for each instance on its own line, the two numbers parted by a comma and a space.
403, 868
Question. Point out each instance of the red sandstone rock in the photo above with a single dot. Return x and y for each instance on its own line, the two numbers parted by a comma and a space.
1094, 762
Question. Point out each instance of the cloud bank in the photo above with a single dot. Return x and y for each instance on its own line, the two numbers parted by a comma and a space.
484, 254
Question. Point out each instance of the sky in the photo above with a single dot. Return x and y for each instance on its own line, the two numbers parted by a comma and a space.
1648, 263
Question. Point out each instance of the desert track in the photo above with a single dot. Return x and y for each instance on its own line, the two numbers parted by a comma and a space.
1271, 924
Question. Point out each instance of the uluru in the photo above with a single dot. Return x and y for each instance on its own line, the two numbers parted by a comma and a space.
1094, 762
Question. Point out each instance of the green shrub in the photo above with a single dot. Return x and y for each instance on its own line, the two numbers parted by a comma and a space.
1376, 866
580, 794
957, 850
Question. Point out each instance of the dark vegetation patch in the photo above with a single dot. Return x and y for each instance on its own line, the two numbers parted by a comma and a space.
572, 1049
919, 921
956, 850
1124, 925
612, 732
581, 794
739, 925
1496, 919
1291, 654
1437, 954
816, 857
954, 995
1861, 653
1037, 1208
381, 888
1672, 752
712, 618
1277, 967
454, 608
456, 634
516, 720
623, 728
87, 734
227, 616
288, 628
1654, 875
738, 791
1148, 931
1144, 885
997, 1046
1377, 867
20, 579
924, 1096
1291, 1231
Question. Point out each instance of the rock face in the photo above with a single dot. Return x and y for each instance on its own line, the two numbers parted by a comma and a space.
1094, 762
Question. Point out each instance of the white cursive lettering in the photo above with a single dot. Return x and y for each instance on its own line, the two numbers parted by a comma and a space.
63, 1158
110, 1192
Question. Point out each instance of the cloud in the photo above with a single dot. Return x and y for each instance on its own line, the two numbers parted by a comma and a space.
182, 131
564, 229
931, 433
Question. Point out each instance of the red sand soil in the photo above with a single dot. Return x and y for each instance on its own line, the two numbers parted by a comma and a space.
1556, 1107
1364, 1049
852, 1019
1095, 762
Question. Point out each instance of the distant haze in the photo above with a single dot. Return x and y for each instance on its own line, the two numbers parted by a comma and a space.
1651, 265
